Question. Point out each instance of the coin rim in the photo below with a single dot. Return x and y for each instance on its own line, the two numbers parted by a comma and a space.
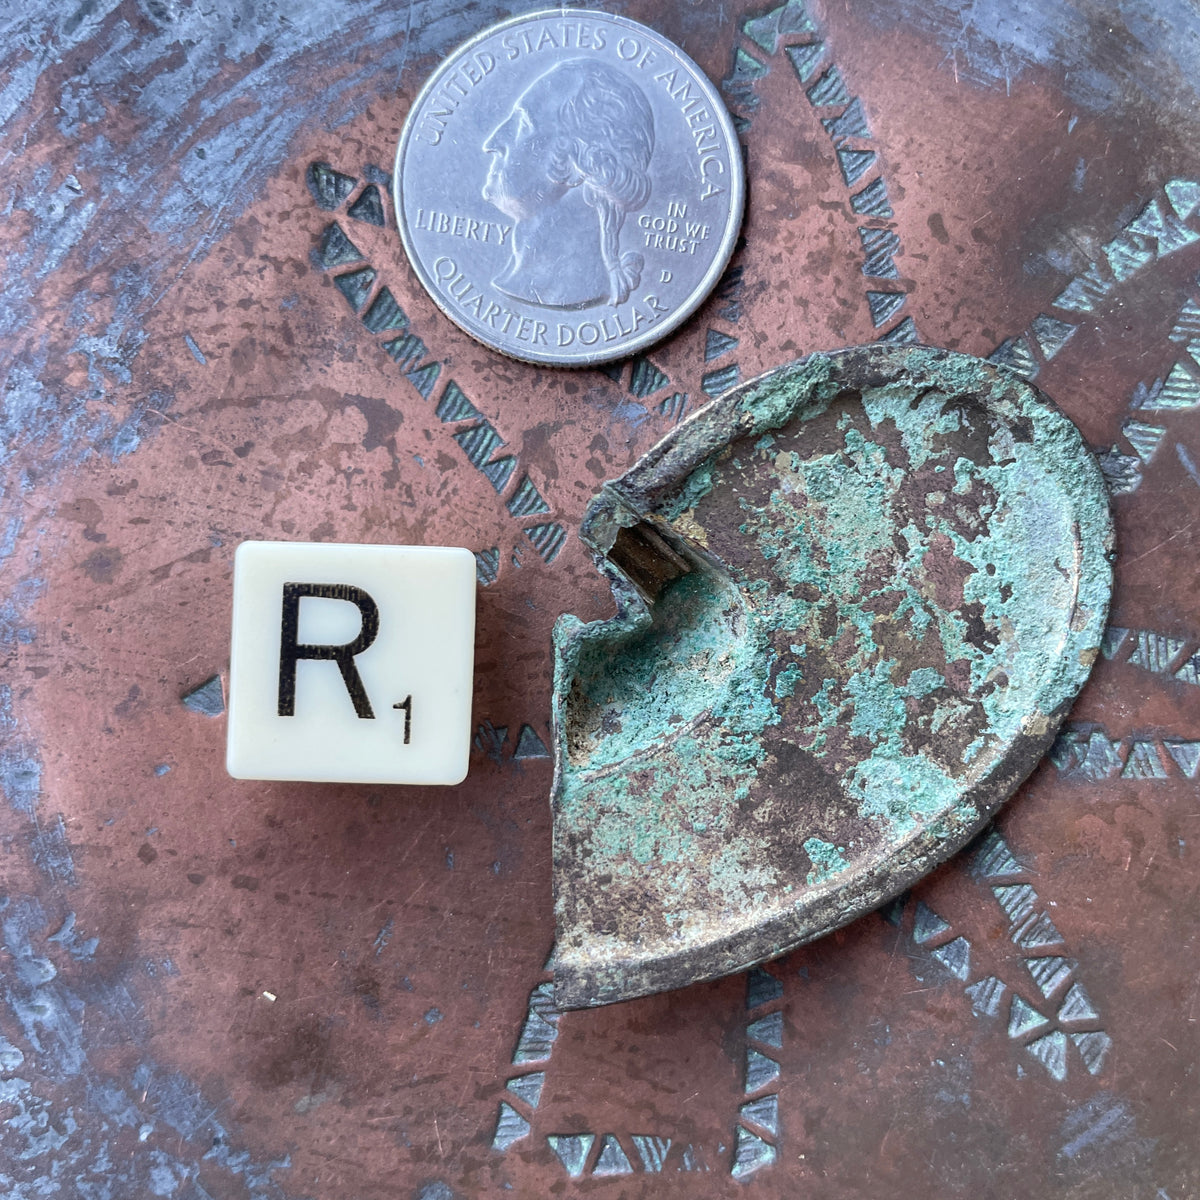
708, 281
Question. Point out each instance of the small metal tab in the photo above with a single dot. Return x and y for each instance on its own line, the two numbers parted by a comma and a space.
855, 599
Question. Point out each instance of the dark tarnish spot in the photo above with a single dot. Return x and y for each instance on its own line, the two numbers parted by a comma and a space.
196, 878
978, 633
130, 704
897, 640
958, 675
801, 771
367, 989
301, 1054
946, 572
247, 883
828, 623
973, 439
382, 420
88, 514
1022, 429
147, 853
937, 227
103, 564
918, 734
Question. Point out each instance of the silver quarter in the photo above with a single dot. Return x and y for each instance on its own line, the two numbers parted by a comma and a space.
569, 187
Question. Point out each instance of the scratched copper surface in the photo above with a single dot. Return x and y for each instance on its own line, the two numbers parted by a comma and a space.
263, 990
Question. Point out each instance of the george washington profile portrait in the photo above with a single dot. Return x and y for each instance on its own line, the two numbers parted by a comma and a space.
567, 164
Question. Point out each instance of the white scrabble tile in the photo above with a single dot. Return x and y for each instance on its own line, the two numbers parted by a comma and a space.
351, 664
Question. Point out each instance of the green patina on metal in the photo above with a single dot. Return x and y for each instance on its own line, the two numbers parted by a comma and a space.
854, 600
827, 860
704, 656
697, 485
769, 402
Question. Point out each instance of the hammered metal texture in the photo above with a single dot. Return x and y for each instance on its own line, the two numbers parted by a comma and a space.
208, 332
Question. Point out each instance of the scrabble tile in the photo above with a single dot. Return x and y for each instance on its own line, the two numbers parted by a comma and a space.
351, 664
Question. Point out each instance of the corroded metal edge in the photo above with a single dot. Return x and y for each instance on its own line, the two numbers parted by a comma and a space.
758, 406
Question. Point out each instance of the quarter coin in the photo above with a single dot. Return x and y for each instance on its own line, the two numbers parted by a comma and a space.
568, 187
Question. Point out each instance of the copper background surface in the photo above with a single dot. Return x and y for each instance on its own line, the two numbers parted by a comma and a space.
270, 990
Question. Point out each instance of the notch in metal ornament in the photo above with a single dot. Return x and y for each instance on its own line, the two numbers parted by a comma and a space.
568, 187
855, 599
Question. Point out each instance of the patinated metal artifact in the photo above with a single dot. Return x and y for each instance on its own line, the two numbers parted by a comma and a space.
568, 187
855, 599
